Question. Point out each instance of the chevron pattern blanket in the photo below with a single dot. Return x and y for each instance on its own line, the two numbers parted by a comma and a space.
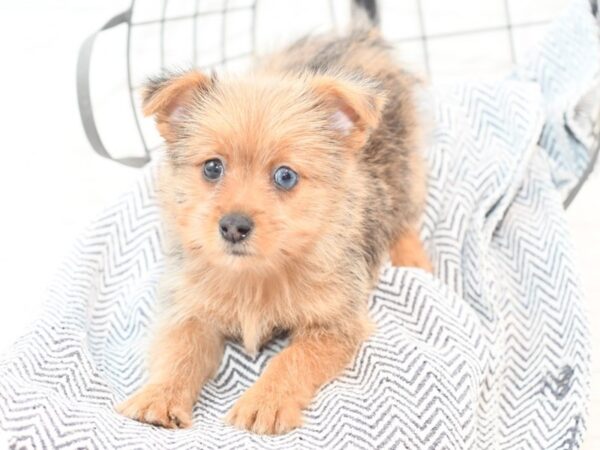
491, 352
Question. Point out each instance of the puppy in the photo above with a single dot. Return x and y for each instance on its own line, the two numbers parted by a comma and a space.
283, 193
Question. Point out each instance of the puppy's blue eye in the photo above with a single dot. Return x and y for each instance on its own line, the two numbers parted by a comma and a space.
213, 169
285, 178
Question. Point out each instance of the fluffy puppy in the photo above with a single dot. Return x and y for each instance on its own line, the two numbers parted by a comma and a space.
283, 192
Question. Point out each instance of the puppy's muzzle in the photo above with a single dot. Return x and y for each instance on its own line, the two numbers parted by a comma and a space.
235, 227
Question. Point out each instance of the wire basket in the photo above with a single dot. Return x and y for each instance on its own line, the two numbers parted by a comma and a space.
228, 34
206, 34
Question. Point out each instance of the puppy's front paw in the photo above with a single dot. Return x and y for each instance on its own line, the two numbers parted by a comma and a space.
266, 412
158, 405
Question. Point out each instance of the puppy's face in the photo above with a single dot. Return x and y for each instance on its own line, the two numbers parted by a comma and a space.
258, 168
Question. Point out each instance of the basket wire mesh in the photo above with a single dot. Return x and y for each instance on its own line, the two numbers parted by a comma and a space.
216, 24
208, 20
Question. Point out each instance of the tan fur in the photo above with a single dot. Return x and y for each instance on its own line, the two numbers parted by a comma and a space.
408, 251
274, 404
350, 131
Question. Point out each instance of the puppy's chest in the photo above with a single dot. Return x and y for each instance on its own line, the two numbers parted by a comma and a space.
252, 322
253, 329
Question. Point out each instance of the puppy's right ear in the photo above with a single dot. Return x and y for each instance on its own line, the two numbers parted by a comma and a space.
168, 99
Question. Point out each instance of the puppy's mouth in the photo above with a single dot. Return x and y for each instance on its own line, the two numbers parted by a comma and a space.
235, 250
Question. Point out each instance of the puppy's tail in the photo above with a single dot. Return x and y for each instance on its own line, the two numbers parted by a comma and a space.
365, 18
364, 26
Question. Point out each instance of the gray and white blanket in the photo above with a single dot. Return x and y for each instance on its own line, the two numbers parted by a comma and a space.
491, 352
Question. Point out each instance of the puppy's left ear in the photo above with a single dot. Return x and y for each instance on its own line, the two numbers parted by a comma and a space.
169, 97
354, 107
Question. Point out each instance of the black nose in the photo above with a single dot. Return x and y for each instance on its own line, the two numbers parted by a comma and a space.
235, 227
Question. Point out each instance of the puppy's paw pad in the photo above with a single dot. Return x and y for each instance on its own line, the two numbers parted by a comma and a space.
265, 414
157, 406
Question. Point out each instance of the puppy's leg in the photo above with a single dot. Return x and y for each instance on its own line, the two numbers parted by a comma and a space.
184, 355
274, 404
408, 250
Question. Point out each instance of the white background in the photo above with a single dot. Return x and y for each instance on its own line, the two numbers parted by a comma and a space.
52, 184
